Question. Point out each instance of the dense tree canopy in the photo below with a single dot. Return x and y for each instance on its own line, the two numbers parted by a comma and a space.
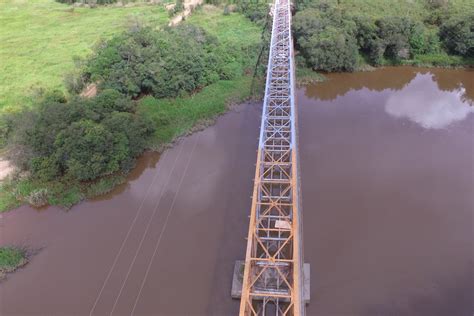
326, 38
330, 38
457, 34
82, 139
166, 63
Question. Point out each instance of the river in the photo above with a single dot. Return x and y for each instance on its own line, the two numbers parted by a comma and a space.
387, 166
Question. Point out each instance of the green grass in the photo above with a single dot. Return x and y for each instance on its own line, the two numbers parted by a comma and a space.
11, 258
306, 76
176, 117
440, 60
233, 29
62, 192
8, 198
39, 39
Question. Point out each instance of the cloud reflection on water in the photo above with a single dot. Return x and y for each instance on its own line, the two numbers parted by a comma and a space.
422, 102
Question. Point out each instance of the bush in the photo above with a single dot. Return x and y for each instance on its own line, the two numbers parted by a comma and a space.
38, 198
325, 30
424, 41
330, 50
326, 38
257, 11
395, 38
165, 64
457, 35
394, 32
82, 139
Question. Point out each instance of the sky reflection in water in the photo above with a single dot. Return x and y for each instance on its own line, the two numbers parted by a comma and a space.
432, 98
422, 102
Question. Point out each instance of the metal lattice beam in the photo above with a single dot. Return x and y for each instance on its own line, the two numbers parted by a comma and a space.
273, 275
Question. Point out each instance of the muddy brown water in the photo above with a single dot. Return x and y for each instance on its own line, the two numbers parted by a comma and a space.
387, 160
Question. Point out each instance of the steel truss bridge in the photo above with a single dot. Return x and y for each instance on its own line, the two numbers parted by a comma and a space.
273, 282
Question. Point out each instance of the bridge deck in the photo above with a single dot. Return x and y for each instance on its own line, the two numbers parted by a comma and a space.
273, 275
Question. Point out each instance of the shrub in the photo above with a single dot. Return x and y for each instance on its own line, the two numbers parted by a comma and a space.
394, 33
165, 63
423, 40
256, 11
366, 31
331, 50
82, 139
74, 82
38, 198
457, 35
368, 39
326, 38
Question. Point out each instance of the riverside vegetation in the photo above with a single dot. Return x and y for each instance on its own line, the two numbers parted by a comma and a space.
41, 40
11, 258
347, 35
154, 84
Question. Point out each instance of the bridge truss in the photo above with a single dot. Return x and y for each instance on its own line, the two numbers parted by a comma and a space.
273, 274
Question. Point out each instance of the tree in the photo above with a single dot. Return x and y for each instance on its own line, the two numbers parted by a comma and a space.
457, 35
166, 63
326, 38
394, 33
82, 139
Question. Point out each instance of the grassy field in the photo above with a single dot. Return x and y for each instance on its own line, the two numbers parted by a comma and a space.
39, 39
232, 29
